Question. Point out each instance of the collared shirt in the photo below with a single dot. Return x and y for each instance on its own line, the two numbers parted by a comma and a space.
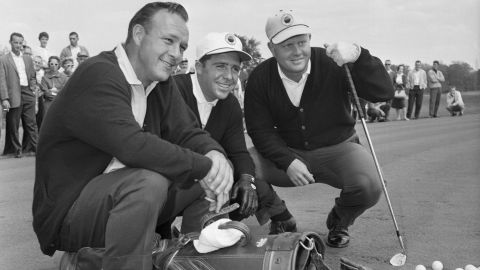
416, 77
204, 107
294, 89
20, 64
75, 51
139, 96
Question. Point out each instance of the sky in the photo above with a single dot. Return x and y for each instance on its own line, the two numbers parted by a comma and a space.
400, 30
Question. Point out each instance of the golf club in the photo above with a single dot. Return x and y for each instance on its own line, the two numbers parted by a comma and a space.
400, 258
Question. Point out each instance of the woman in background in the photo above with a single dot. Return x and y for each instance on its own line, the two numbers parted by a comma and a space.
400, 99
52, 82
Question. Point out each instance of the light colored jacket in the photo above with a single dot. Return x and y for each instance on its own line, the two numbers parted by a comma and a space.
423, 79
455, 99
434, 78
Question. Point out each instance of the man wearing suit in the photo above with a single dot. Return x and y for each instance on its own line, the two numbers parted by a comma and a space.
209, 94
416, 83
17, 84
104, 179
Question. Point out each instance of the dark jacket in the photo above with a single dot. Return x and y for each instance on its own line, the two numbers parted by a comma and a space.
323, 117
90, 122
225, 125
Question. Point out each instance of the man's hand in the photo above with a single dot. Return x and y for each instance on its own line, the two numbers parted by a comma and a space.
343, 52
216, 201
6, 105
220, 177
249, 201
299, 173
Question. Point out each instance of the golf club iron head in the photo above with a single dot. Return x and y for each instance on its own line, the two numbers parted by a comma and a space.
398, 259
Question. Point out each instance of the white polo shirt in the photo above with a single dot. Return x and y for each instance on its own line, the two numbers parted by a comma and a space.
20, 64
204, 107
294, 89
139, 96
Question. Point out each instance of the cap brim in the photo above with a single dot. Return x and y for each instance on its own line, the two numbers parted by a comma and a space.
202, 248
243, 55
299, 29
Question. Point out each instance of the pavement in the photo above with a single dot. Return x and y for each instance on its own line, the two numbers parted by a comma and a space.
432, 170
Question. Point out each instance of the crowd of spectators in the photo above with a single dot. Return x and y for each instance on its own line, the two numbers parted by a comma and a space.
52, 72
410, 86
27, 96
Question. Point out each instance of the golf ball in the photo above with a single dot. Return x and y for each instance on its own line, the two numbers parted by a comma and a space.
437, 265
470, 267
420, 267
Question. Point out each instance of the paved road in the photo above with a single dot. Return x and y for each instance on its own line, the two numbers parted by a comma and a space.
432, 169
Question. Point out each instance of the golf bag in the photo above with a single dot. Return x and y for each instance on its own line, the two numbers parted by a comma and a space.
286, 251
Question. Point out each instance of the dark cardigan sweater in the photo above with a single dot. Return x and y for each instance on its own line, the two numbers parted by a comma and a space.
90, 122
323, 117
225, 125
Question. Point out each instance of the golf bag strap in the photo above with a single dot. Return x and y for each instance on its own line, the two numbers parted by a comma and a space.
211, 217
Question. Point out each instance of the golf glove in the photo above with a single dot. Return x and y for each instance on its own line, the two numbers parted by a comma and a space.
343, 52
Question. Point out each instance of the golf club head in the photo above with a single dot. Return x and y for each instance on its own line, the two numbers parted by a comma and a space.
398, 259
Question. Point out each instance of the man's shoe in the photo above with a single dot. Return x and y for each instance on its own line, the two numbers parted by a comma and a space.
338, 237
277, 227
18, 154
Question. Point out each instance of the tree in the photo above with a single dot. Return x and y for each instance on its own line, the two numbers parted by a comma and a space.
250, 46
461, 75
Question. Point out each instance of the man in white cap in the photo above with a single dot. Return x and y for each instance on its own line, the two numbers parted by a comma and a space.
208, 93
297, 111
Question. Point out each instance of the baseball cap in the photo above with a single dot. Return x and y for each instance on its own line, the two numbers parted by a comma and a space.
284, 25
215, 43
80, 54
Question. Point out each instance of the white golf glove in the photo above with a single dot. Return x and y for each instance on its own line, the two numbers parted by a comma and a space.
343, 52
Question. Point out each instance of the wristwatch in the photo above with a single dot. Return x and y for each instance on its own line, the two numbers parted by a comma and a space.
252, 180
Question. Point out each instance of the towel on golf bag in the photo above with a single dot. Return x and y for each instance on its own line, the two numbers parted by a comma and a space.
286, 251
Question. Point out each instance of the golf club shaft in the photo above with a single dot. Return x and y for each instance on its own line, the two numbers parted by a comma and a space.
377, 165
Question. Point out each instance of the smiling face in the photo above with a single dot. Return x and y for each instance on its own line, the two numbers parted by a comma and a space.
43, 42
53, 64
161, 46
292, 55
17, 44
218, 75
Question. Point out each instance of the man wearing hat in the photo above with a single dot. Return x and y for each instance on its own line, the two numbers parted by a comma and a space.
82, 56
297, 111
208, 93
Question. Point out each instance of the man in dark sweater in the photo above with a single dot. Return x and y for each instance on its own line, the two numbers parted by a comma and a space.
102, 180
297, 112
209, 94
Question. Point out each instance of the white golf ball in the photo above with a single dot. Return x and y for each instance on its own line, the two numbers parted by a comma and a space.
470, 267
420, 267
437, 265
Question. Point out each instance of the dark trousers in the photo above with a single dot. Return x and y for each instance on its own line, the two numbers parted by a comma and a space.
347, 166
119, 211
376, 114
26, 112
435, 94
415, 96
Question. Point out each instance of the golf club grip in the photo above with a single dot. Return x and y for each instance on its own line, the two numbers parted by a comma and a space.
354, 92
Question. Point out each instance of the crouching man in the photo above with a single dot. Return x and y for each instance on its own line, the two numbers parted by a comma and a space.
101, 180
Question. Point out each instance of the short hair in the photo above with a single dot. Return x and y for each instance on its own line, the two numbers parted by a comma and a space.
15, 34
401, 65
418, 61
144, 15
204, 59
54, 57
43, 34
67, 60
436, 62
73, 33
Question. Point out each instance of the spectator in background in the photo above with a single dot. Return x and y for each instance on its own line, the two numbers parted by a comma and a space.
42, 50
52, 83
17, 92
82, 56
182, 67
388, 67
39, 73
72, 50
455, 102
67, 65
416, 83
435, 78
400, 97
378, 111
27, 51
